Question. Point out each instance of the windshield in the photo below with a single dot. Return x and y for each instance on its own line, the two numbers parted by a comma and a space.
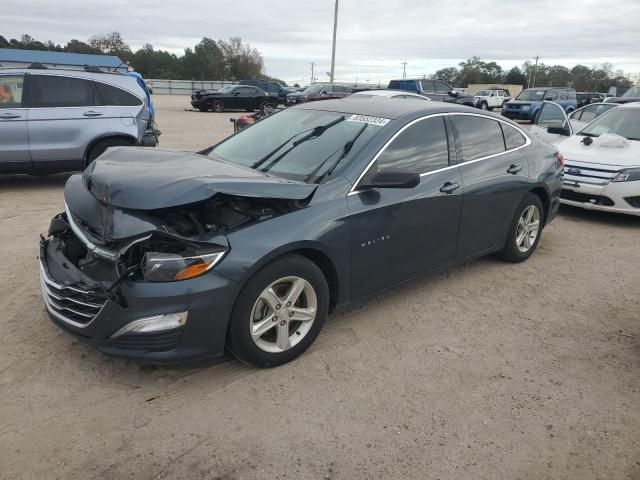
304, 145
532, 95
483, 93
632, 92
225, 90
621, 121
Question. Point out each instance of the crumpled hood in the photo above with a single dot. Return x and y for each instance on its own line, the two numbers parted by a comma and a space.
149, 179
573, 149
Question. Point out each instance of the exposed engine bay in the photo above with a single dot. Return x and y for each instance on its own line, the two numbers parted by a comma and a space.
176, 240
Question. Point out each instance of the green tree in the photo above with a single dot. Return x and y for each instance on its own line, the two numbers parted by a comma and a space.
515, 77
4, 43
449, 75
112, 44
76, 46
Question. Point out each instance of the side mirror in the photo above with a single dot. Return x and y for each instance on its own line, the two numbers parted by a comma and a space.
391, 179
453, 93
564, 131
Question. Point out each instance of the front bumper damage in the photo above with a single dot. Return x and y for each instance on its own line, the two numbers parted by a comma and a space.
94, 309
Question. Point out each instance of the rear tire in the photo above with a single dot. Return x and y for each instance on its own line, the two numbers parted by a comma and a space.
254, 336
484, 106
525, 231
218, 106
100, 147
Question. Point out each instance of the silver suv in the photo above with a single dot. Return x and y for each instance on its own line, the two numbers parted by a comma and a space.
61, 120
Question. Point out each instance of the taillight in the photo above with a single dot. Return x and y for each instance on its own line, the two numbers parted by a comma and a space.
560, 159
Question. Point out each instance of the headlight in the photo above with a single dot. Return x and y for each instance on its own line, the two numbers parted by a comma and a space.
169, 267
628, 175
526, 107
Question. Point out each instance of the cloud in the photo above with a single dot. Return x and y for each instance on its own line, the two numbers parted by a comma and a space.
374, 36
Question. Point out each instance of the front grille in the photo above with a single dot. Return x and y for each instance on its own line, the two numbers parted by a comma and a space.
633, 201
595, 174
586, 198
71, 305
150, 342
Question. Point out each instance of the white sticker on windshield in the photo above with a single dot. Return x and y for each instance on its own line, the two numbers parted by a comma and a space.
367, 119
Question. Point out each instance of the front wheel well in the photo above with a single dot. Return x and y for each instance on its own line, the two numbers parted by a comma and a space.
328, 269
543, 195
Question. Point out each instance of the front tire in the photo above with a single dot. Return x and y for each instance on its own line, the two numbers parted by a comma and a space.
525, 231
484, 106
279, 313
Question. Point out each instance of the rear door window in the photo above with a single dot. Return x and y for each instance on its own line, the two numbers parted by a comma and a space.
479, 136
552, 95
421, 148
48, 91
11, 91
441, 87
114, 96
427, 86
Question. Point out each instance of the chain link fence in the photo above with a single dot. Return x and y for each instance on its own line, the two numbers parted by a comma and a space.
185, 87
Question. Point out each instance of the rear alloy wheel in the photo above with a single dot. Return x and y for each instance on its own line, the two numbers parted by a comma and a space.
264, 105
218, 106
525, 230
279, 313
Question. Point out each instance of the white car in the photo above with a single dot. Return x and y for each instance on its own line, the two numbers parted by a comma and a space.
490, 99
602, 160
391, 94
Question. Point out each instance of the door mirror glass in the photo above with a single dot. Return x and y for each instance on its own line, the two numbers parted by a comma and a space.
392, 179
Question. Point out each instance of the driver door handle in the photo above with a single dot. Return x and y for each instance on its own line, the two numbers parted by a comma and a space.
91, 113
449, 187
513, 169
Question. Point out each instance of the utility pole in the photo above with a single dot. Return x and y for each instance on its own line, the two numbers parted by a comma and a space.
333, 49
535, 71
312, 73
404, 70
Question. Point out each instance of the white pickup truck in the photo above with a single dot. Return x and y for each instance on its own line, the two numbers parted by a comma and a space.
490, 99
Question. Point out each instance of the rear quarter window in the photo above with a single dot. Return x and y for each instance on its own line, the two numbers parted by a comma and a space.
512, 137
110, 95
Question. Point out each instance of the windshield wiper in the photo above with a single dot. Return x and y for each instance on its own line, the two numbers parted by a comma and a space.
345, 151
315, 133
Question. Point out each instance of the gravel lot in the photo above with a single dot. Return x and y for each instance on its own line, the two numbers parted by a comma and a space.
491, 371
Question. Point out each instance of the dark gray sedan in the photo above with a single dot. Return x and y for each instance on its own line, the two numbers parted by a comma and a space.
247, 246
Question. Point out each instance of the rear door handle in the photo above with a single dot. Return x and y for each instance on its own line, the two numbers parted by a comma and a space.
449, 187
9, 116
92, 114
513, 169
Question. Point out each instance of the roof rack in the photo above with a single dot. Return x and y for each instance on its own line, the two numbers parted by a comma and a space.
79, 68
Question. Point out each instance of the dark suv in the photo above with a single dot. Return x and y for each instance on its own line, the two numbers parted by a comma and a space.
274, 89
319, 91
433, 89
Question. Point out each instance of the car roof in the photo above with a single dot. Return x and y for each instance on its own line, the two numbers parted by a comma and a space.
383, 107
129, 82
388, 93
629, 105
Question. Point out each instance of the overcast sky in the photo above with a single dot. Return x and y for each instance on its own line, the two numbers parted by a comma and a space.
374, 36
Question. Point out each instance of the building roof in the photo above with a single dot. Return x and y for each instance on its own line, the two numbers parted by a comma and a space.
60, 58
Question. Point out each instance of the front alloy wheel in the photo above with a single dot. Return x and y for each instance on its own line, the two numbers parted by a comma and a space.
283, 314
279, 312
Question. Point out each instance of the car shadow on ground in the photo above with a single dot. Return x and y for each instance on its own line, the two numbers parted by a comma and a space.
17, 182
578, 214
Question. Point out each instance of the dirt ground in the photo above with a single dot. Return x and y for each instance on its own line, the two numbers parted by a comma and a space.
491, 371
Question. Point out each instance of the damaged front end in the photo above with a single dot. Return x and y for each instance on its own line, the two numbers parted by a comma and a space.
128, 280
